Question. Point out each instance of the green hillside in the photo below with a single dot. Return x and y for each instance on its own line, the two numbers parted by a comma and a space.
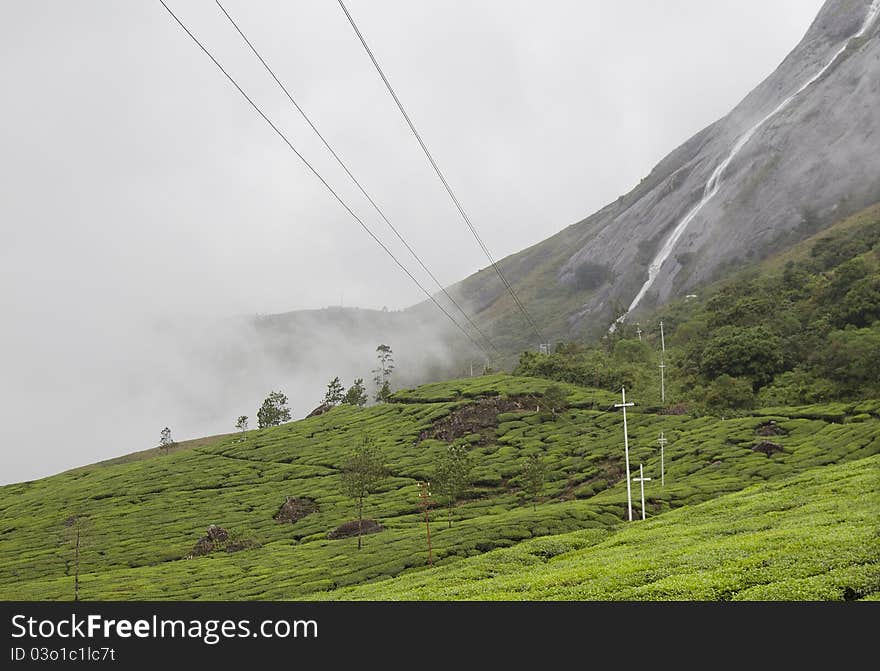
801, 327
810, 537
145, 516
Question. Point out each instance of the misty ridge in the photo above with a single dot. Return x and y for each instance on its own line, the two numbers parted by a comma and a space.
119, 380
197, 374
212, 371
311, 347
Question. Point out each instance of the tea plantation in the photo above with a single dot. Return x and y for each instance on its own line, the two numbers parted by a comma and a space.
790, 507
813, 536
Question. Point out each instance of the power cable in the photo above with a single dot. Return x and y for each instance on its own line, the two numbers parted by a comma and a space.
318, 175
449, 190
353, 178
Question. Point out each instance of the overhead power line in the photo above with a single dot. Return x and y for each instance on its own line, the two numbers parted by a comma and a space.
318, 175
433, 163
352, 177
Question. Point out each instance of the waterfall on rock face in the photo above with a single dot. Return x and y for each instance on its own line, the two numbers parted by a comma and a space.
714, 182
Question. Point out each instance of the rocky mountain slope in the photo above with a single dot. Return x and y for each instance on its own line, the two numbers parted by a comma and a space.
800, 151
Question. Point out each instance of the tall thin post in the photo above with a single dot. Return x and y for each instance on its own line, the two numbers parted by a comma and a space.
662, 440
76, 568
662, 382
639, 332
424, 494
641, 480
662, 364
626, 405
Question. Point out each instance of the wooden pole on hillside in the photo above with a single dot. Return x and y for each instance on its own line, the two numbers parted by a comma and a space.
424, 496
626, 405
662, 440
662, 382
662, 365
76, 562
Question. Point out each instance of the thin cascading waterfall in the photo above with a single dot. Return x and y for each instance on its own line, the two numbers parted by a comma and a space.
714, 182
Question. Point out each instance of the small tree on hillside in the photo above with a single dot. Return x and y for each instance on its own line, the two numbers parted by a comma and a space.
242, 424
555, 398
754, 353
274, 411
166, 442
335, 392
362, 473
533, 474
729, 393
452, 475
356, 394
382, 372
384, 393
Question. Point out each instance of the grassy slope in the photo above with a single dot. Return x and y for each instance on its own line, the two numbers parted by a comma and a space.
801, 250
146, 515
812, 536
152, 452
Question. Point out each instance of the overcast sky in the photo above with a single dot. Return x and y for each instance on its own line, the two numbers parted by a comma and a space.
139, 192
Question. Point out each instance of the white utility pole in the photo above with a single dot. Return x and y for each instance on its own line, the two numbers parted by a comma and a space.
626, 405
639, 332
642, 480
662, 440
662, 338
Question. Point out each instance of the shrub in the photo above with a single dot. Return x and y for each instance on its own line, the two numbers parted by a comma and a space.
752, 352
852, 358
633, 351
797, 387
861, 304
730, 393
